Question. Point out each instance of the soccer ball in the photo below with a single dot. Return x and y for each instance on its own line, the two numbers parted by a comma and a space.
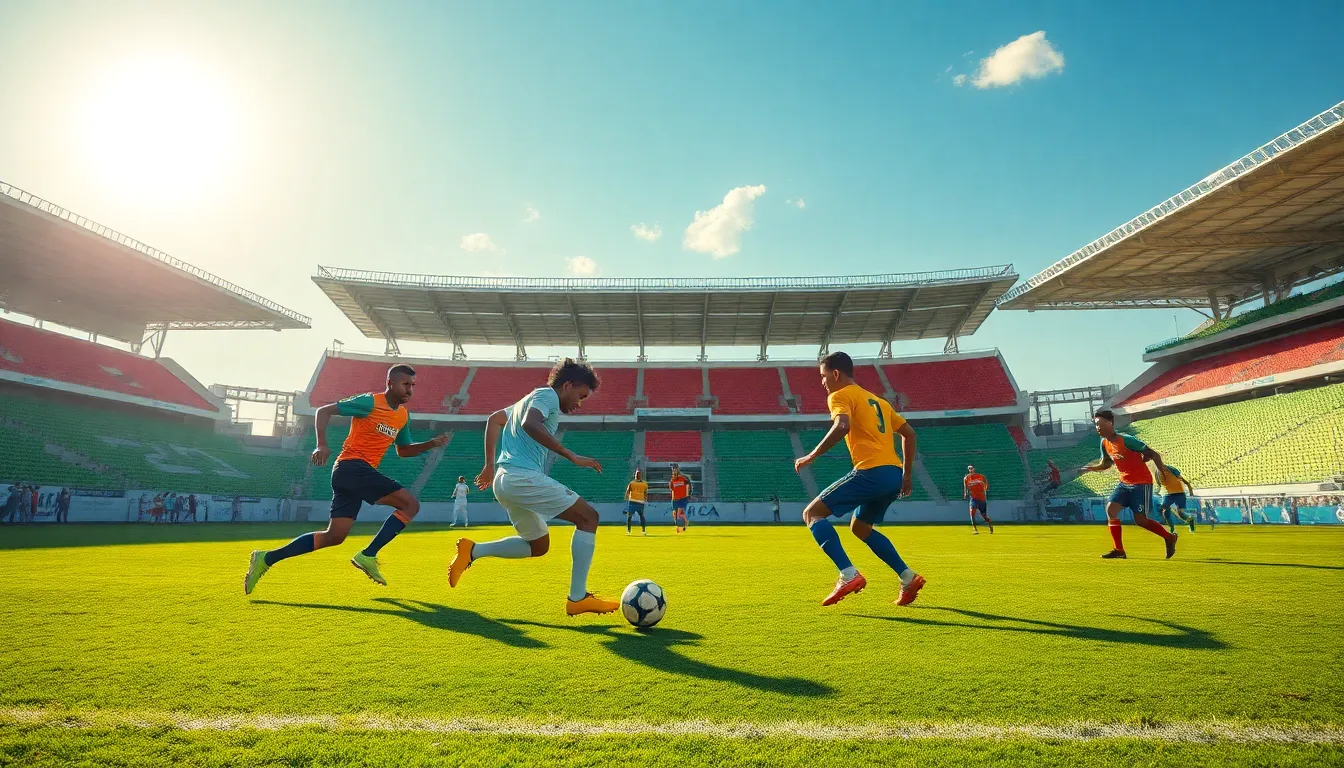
643, 603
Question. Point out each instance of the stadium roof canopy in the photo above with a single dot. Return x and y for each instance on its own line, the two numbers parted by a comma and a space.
58, 266
665, 312
1266, 223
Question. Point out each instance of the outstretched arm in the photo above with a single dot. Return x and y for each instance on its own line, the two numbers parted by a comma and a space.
839, 428
534, 424
494, 426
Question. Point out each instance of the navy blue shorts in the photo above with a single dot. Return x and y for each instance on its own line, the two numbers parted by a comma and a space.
634, 508
679, 504
870, 491
354, 482
980, 505
1135, 498
1174, 500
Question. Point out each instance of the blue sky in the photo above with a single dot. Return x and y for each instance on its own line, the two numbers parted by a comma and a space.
380, 136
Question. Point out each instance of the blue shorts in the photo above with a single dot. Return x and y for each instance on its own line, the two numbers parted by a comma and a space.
354, 482
634, 508
1176, 500
870, 491
679, 505
1135, 498
980, 505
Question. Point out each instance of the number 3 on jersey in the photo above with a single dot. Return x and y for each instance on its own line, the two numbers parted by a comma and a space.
881, 420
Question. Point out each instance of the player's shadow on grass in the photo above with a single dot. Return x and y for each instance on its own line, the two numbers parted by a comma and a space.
1216, 561
657, 648
1186, 638
432, 615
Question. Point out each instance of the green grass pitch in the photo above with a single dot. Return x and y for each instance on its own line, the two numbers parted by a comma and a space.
134, 646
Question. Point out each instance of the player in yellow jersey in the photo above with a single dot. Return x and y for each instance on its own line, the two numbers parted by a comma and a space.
377, 421
636, 496
1175, 485
869, 426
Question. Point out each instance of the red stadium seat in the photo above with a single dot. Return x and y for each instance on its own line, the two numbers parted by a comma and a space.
496, 387
948, 385
672, 387
342, 377
1268, 358
805, 385
613, 396
49, 355
746, 390
672, 446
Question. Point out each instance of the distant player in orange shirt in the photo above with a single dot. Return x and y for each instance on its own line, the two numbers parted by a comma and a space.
680, 486
377, 421
1130, 457
976, 487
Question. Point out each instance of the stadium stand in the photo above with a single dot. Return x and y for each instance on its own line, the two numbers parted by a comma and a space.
672, 446
673, 387
944, 385
1300, 350
746, 390
1019, 437
614, 395
49, 355
495, 387
613, 449
1291, 304
462, 457
751, 465
342, 377
1297, 437
136, 449
805, 385
947, 450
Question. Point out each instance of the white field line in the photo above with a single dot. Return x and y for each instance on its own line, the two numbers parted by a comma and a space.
1189, 732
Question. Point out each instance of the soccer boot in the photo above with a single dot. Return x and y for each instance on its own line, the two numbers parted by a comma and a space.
1171, 545
256, 568
369, 565
461, 561
910, 591
590, 604
1115, 554
844, 589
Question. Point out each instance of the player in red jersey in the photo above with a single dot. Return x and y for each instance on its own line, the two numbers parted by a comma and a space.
1129, 456
976, 488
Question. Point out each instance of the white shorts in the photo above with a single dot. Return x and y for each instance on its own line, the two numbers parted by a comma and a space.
531, 498
459, 506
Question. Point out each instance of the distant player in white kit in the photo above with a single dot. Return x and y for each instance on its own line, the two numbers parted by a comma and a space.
460, 502
525, 435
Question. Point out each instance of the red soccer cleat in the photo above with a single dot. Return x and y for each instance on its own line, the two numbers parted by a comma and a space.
845, 588
910, 591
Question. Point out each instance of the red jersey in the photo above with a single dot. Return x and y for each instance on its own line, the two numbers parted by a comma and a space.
1126, 451
681, 487
374, 427
976, 484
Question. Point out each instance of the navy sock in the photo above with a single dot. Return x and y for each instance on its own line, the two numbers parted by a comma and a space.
391, 527
301, 545
883, 548
825, 534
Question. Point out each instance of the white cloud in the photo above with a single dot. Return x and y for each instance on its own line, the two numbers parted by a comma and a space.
799, 203
582, 266
1027, 57
479, 241
718, 231
645, 232
530, 214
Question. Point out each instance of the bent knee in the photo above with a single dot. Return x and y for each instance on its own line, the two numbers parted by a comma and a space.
410, 507
540, 546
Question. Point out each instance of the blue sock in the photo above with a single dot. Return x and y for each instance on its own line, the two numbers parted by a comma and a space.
301, 545
825, 534
883, 548
391, 527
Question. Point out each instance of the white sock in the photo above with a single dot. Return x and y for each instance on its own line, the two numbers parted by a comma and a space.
907, 576
849, 573
581, 548
512, 548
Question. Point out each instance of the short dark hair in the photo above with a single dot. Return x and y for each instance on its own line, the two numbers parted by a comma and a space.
839, 361
403, 369
1105, 413
571, 371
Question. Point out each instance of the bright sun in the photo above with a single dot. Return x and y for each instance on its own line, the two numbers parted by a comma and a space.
160, 128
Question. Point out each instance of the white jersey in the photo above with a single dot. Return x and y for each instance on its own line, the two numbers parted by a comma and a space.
460, 493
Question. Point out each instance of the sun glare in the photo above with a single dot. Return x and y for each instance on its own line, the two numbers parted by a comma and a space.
161, 129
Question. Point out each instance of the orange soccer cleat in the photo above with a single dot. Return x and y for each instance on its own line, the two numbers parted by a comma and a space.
844, 589
461, 561
910, 591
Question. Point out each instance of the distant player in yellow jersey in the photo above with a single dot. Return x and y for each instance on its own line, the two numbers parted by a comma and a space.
869, 426
1173, 502
377, 421
636, 496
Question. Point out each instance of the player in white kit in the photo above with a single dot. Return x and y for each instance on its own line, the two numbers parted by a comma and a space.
525, 435
460, 492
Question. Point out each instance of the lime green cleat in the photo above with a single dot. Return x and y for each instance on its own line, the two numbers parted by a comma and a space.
369, 565
255, 570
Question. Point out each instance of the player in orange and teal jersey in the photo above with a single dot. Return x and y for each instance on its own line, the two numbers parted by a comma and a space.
680, 488
975, 486
1130, 457
1173, 503
377, 422
869, 426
